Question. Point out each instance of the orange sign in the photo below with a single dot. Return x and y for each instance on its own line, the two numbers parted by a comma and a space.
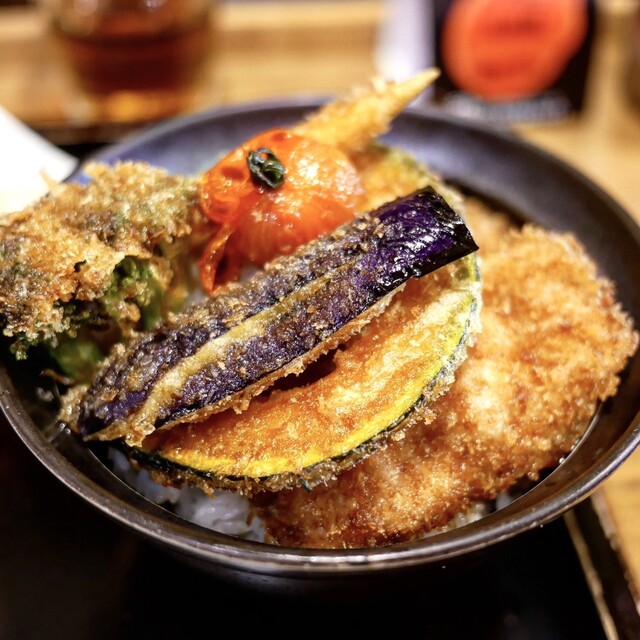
511, 49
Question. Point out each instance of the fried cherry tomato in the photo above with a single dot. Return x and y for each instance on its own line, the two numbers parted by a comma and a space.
273, 193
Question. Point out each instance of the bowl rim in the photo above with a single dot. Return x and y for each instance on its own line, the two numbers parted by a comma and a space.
121, 503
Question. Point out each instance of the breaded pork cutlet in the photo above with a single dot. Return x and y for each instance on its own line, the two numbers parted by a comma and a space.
553, 341
98, 255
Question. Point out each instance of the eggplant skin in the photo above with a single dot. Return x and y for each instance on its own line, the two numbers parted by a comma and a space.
230, 347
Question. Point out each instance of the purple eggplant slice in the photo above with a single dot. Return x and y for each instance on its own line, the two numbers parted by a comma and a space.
220, 353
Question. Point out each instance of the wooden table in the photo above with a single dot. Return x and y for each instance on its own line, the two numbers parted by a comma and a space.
260, 51
269, 50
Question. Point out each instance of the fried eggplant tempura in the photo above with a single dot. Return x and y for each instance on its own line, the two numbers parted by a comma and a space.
553, 342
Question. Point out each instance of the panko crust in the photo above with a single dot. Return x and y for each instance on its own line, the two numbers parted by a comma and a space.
553, 343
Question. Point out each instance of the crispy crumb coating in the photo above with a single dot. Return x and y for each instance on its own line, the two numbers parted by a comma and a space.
64, 247
553, 342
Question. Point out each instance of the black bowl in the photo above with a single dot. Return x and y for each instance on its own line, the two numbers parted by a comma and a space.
489, 163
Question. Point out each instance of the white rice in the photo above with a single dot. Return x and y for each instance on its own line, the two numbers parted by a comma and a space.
230, 513
226, 512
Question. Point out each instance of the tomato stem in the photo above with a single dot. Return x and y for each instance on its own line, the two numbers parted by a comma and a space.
265, 168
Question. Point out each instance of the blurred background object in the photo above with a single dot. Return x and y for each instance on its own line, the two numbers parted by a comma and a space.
26, 172
513, 61
531, 61
632, 79
135, 59
260, 50
406, 42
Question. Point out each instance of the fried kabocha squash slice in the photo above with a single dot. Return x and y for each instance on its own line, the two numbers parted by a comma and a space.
381, 380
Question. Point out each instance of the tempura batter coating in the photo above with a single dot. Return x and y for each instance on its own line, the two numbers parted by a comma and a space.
552, 343
62, 250
352, 121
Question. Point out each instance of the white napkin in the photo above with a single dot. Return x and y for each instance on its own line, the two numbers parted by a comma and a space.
25, 158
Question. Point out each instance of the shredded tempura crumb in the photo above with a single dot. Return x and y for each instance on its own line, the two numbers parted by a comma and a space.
64, 248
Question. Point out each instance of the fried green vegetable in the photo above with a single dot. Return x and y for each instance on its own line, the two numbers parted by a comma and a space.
93, 262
